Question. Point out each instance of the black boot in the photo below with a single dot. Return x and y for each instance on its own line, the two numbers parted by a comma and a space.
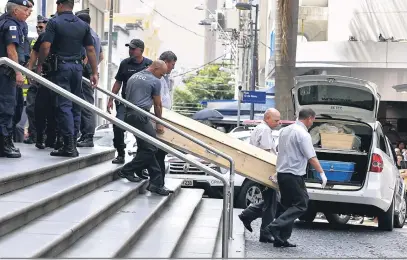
86, 141
6, 149
9, 142
120, 157
59, 142
40, 142
30, 140
67, 150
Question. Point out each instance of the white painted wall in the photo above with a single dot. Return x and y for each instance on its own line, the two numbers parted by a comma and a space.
365, 19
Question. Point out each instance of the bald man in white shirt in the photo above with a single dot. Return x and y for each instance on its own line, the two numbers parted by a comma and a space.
261, 137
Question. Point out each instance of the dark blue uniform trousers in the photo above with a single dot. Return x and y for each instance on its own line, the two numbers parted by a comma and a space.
7, 103
69, 77
118, 140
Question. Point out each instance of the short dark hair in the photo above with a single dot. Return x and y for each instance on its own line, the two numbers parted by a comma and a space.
168, 56
306, 113
85, 17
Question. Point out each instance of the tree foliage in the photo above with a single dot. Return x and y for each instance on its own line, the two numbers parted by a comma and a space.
208, 84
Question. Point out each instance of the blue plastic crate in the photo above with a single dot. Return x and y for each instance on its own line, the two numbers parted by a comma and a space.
335, 171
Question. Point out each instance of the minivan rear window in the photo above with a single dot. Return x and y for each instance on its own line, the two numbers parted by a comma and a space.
336, 95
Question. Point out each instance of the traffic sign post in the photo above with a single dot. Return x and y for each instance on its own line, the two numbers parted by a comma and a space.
254, 97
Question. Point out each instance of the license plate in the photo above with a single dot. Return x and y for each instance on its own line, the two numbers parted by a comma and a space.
188, 183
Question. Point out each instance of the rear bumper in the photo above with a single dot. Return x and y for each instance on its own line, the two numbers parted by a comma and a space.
372, 195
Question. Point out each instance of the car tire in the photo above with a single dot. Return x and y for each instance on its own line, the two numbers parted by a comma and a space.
386, 219
249, 189
337, 219
400, 217
308, 216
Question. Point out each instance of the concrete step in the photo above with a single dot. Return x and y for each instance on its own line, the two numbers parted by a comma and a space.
24, 205
164, 234
238, 244
53, 233
114, 237
200, 238
37, 165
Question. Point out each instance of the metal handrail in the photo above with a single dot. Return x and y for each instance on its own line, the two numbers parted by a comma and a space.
190, 137
48, 84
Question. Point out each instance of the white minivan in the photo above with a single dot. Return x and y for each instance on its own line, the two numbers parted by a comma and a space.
374, 187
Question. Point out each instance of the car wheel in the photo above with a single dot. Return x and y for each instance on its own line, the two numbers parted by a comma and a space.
249, 193
308, 216
337, 219
400, 217
386, 219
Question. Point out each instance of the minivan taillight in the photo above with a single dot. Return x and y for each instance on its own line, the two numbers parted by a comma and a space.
377, 163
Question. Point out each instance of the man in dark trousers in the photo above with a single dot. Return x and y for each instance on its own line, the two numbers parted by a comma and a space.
12, 46
295, 151
32, 91
135, 63
88, 119
262, 137
144, 91
166, 98
68, 34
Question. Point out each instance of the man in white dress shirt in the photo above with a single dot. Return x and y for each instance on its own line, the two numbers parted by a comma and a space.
262, 137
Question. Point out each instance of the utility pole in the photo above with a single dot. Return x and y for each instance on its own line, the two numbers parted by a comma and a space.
110, 45
254, 60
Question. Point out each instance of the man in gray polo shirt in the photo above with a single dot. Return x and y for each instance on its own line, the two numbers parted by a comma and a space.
261, 137
295, 151
143, 90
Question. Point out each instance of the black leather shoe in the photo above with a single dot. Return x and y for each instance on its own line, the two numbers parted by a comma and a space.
119, 159
246, 223
86, 141
158, 190
284, 244
273, 232
130, 178
266, 239
142, 175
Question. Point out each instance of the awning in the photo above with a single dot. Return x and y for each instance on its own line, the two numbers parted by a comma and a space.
400, 88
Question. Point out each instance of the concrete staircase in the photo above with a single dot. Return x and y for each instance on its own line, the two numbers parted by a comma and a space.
77, 208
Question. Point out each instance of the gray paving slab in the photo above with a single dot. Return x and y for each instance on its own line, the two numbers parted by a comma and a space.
109, 238
52, 228
33, 158
164, 234
201, 235
237, 245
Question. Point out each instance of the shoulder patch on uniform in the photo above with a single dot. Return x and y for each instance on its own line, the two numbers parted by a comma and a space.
13, 28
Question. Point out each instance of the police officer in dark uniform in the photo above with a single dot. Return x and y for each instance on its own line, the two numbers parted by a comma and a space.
32, 90
68, 34
135, 63
45, 107
88, 119
12, 39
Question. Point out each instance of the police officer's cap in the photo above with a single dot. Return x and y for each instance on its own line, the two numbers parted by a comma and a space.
22, 2
65, 1
41, 19
135, 43
85, 11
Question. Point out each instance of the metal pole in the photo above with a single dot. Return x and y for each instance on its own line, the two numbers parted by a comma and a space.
254, 61
43, 8
110, 45
239, 105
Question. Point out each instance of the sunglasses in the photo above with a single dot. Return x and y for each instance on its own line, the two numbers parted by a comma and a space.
40, 27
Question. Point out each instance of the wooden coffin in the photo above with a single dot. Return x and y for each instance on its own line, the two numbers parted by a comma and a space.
250, 161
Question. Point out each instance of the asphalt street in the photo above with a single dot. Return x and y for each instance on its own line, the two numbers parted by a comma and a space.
319, 239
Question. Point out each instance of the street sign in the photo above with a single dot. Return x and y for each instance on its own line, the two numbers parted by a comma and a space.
255, 97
